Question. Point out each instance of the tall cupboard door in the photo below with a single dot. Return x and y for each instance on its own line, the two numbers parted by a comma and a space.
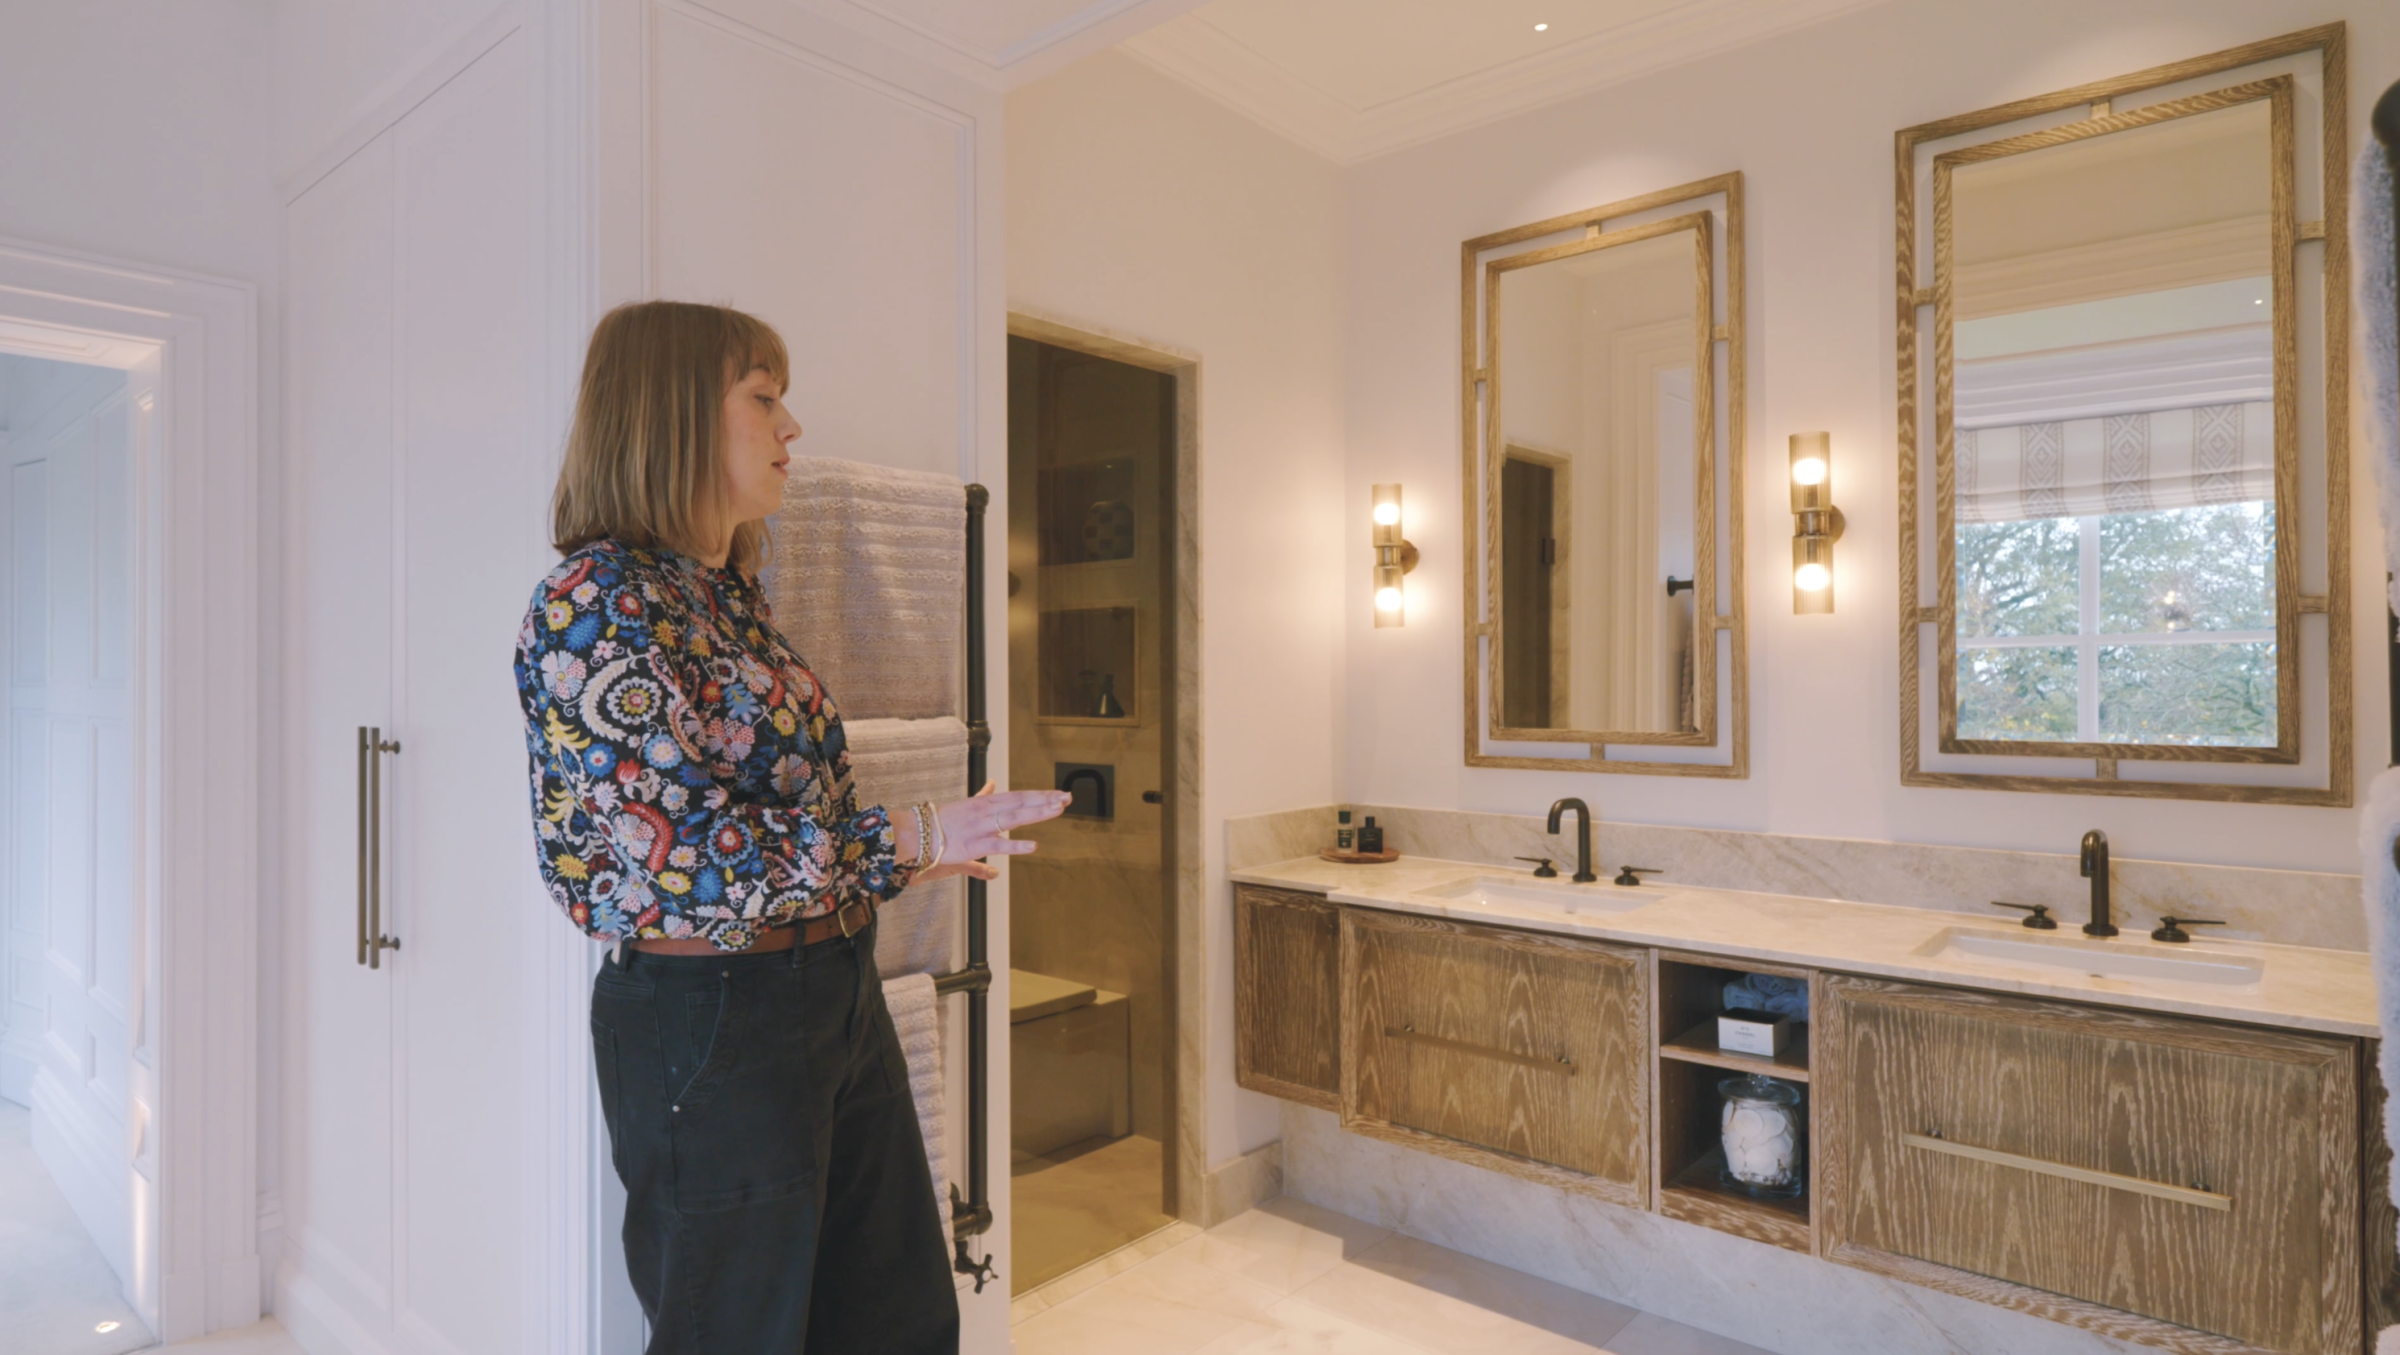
419, 537
337, 1177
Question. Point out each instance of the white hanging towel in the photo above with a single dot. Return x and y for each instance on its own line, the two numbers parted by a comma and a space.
868, 579
917, 1015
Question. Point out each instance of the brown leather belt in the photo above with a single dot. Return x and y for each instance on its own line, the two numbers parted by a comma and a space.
848, 920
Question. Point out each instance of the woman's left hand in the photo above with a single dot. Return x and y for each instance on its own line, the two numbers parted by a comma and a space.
977, 827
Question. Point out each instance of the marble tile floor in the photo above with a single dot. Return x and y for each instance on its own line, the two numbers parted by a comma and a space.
1082, 1202
1290, 1277
55, 1287
266, 1338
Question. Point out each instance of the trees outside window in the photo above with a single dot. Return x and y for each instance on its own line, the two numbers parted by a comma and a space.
2143, 627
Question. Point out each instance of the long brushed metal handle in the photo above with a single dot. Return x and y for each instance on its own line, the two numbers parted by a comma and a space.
1410, 1033
374, 941
366, 753
2206, 1199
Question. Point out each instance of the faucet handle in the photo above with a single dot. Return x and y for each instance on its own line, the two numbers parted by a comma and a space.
1543, 870
1632, 875
2172, 928
2038, 915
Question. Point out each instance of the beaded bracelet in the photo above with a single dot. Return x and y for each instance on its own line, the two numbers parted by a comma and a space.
931, 841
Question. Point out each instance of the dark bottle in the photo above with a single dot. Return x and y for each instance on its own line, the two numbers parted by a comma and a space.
1370, 837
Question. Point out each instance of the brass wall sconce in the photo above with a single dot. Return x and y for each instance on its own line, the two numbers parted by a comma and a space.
1394, 557
1816, 523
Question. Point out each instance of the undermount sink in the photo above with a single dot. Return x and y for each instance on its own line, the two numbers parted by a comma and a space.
2121, 958
1517, 894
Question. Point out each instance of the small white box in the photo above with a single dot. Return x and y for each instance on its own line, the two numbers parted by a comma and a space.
1764, 1034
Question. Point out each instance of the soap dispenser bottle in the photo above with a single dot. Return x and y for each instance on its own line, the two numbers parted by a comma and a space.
1344, 836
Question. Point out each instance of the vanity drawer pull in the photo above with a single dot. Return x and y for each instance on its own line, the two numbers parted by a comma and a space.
2205, 1199
1560, 1064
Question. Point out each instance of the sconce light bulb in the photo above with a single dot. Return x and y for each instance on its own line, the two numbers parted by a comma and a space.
1811, 578
1386, 514
1808, 471
1387, 599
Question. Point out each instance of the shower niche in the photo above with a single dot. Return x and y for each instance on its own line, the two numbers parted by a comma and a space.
1087, 665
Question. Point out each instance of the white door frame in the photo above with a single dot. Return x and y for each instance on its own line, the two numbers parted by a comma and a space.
192, 1147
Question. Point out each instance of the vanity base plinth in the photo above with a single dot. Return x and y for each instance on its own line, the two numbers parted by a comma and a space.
2116, 1322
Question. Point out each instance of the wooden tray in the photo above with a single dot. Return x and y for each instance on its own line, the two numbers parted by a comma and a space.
1382, 858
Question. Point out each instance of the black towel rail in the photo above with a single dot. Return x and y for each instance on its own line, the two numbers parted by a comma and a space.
971, 1214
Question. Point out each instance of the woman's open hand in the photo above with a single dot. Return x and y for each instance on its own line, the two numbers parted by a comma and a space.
977, 827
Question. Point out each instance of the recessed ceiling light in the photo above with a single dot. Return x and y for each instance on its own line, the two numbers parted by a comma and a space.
1541, 28
106, 1326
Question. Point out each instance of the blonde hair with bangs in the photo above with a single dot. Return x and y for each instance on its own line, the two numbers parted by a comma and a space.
645, 458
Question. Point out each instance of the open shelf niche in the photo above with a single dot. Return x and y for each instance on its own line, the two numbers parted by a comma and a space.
1686, 1069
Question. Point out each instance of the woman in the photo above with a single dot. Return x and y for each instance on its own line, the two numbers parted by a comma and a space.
693, 805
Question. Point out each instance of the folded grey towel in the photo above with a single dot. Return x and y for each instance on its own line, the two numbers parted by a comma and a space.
868, 580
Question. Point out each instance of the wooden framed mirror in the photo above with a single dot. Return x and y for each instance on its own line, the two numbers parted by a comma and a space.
1601, 394
2124, 488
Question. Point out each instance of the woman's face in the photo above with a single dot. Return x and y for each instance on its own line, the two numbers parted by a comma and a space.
757, 427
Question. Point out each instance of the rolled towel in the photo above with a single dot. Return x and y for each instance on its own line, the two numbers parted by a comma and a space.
868, 579
917, 1016
899, 762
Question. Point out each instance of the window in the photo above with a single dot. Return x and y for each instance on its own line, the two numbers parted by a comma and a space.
2143, 627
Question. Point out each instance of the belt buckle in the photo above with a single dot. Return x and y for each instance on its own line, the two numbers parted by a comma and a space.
841, 918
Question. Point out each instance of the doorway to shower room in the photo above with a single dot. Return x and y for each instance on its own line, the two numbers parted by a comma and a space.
1091, 451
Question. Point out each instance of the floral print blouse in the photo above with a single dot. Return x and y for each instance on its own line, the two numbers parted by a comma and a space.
689, 773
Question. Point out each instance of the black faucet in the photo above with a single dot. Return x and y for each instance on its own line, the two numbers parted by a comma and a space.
2095, 869
1583, 836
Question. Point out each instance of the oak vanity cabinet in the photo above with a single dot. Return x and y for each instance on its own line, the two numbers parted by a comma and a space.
1511, 1050
2177, 1182
1287, 951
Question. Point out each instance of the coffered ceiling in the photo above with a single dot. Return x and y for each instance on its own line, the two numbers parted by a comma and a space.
1352, 79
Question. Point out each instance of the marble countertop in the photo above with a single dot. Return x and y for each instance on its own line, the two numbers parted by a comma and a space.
2299, 987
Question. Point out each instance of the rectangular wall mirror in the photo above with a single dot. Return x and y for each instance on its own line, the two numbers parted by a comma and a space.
1601, 390
2126, 549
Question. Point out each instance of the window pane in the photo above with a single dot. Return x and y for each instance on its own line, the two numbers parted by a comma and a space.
2188, 694
2017, 692
2018, 578
2205, 568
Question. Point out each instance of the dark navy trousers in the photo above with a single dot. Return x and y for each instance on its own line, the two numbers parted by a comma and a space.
759, 1116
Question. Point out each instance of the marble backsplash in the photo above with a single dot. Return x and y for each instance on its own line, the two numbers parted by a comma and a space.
2293, 907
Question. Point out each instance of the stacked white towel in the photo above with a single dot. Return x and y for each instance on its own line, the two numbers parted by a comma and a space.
868, 579
917, 1015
